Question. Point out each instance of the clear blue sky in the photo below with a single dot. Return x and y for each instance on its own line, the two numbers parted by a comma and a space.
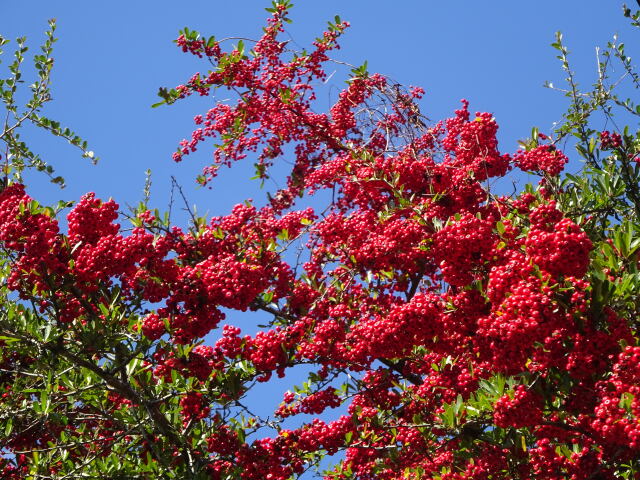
112, 57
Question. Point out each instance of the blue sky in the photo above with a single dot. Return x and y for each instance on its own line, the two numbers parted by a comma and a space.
111, 58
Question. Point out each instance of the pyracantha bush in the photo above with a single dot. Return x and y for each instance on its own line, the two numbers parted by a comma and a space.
446, 332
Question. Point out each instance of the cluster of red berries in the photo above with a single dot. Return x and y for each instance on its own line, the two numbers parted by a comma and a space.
543, 158
610, 141
521, 410
193, 408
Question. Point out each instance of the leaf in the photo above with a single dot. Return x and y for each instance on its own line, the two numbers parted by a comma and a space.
47, 332
267, 297
347, 438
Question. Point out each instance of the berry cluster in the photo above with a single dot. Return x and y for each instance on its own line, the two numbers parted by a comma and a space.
521, 410
610, 141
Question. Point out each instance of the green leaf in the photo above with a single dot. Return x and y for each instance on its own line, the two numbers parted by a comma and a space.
347, 438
